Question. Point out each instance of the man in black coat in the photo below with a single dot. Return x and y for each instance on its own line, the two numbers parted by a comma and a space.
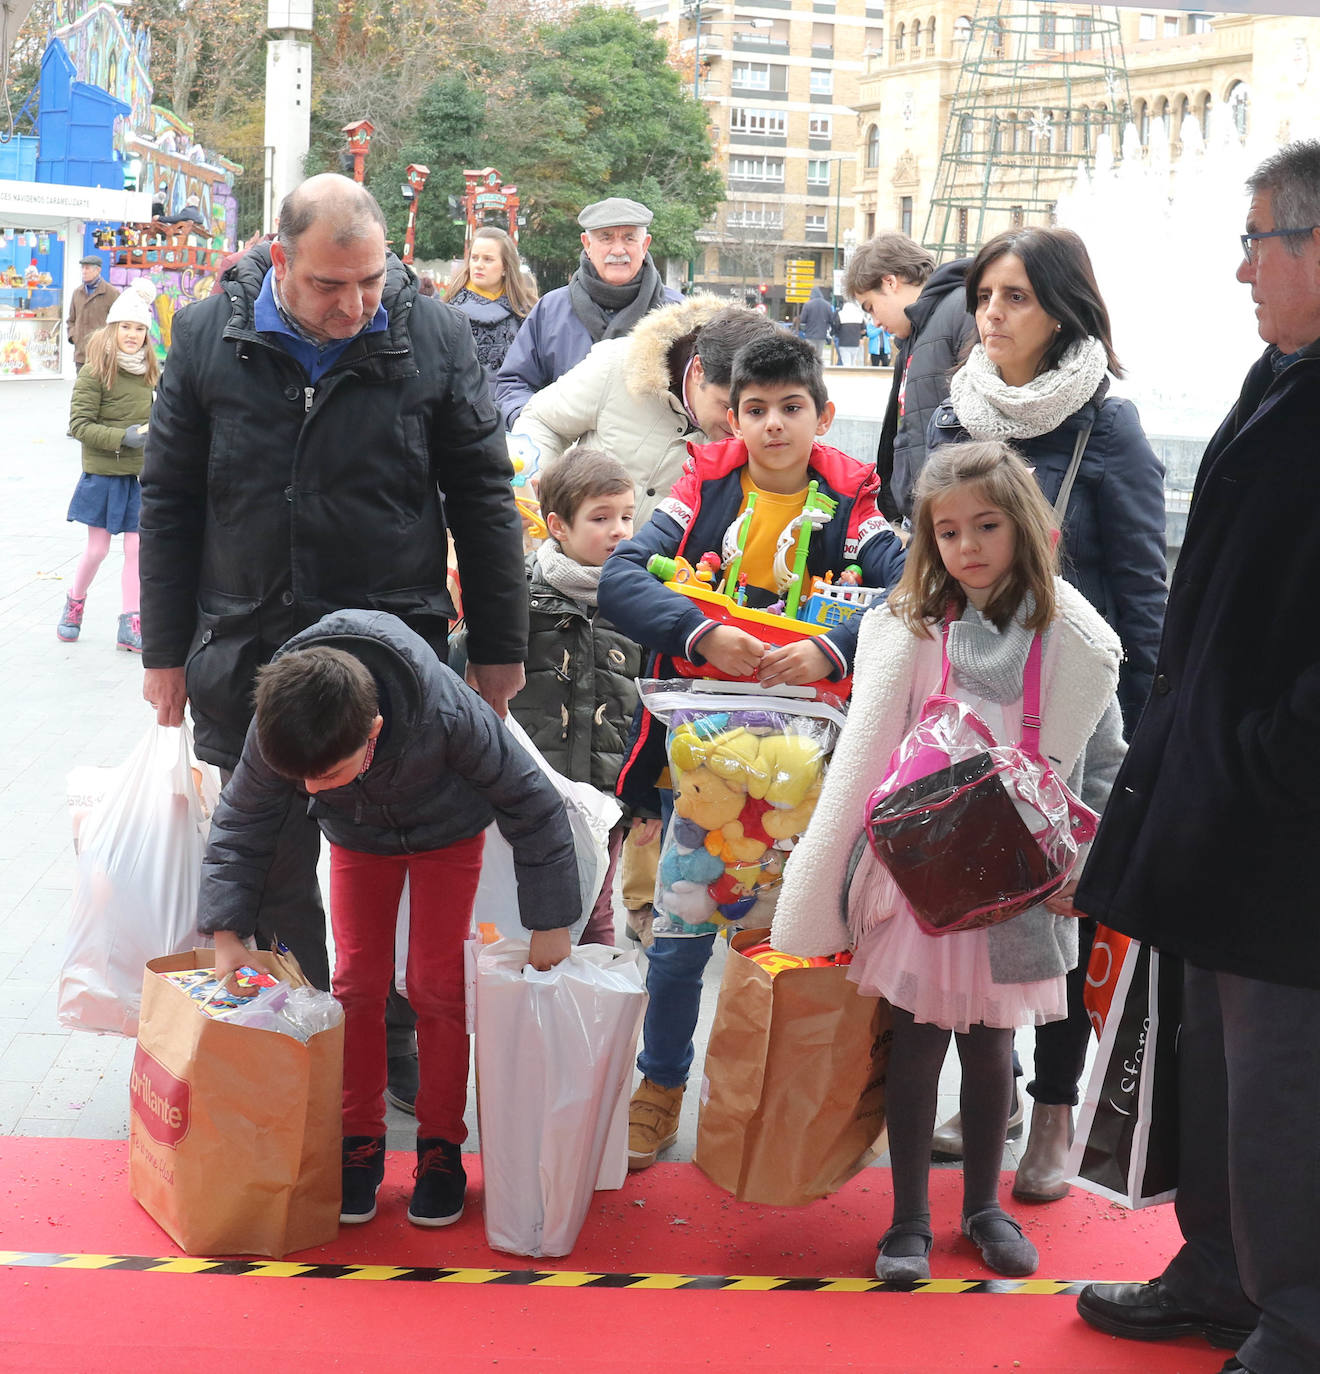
897, 284
1208, 845
319, 432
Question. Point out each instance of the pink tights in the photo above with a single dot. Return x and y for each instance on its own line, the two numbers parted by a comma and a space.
98, 545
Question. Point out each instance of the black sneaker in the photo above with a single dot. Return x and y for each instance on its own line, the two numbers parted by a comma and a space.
437, 1198
364, 1169
401, 1083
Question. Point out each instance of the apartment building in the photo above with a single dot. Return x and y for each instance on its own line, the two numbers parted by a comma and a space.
779, 80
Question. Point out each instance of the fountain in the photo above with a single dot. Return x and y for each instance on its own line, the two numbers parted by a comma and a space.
1163, 237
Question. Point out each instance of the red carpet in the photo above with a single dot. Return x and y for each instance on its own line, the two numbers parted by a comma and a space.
70, 1198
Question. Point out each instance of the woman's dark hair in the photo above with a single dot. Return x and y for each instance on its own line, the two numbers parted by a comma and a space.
1060, 272
314, 709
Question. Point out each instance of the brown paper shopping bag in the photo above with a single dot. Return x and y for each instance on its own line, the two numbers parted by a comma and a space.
234, 1143
792, 1100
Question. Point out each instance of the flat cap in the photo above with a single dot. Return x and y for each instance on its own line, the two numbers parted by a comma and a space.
604, 214
91, 260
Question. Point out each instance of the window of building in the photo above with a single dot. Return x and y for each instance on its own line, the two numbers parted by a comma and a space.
1184, 114
1048, 30
1239, 105
1017, 217
905, 215
870, 224
756, 168
746, 119
875, 41
1203, 118
916, 35
965, 134
898, 38
822, 81
1171, 26
1143, 123
818, 171
822, 39
1146, 27
820, 126
962, 231
1198, 23
747, 216
962, 29
1162, 113
873, 147
1082, 32
751, 76
930, 32
815, 224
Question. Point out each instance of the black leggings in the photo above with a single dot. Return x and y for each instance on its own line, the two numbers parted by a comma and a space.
912, 1087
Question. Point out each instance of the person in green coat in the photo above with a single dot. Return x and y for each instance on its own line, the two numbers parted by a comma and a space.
108, 415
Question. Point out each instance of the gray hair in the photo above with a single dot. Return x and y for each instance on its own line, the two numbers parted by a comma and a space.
350, 209
1291, 179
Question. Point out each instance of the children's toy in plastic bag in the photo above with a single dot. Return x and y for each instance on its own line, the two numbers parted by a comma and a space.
746, 765
554, 1055
139, 869
260, 1000
973, 832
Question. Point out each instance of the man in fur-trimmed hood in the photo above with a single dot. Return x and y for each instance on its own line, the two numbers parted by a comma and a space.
642, 398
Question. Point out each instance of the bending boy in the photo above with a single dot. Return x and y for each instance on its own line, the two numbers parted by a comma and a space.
403, 767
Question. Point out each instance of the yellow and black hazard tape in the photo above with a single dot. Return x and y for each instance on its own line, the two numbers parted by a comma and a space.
525, 1278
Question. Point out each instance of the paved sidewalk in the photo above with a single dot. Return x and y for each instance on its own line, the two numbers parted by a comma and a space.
69, 704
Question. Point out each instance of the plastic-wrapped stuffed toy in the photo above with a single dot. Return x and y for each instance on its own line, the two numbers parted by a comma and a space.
746, 776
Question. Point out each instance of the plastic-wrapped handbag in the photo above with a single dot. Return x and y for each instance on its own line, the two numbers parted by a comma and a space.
973, 832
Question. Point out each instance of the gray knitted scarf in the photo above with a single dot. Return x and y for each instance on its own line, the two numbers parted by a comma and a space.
567, 575
987, 661
610, 312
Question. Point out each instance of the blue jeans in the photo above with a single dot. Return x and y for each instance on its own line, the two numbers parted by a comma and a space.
673, 980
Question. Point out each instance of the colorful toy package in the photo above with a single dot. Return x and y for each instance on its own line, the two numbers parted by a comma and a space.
746, 766
267, 1003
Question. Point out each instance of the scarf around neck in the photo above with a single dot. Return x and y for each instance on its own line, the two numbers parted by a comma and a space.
566, 574
136, 363
988, 408
987, 660
610, 312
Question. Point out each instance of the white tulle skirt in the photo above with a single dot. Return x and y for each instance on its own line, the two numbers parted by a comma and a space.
945, 979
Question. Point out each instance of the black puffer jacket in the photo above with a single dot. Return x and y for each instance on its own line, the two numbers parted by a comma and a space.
267, 502
581, 691
443, 769
941, 327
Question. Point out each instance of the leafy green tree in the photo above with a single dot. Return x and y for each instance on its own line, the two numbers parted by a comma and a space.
599, 112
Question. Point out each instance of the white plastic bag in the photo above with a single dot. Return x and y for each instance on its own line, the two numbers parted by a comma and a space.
139, 869
554, 1066
591, 815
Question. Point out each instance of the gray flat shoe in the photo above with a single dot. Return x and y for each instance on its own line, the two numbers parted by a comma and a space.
904, 1268
1002, 1245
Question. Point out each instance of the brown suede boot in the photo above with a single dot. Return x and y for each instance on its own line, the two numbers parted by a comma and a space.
652, 1122
1043, 1174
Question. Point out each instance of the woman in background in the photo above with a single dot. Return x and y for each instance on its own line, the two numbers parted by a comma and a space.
491, 290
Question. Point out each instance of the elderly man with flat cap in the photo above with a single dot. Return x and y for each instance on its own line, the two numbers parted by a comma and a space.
615, 285
89, 304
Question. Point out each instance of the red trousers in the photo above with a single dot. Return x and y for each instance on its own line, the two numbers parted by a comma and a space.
364, 908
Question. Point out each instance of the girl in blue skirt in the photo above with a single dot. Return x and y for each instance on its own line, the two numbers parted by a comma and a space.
108, 414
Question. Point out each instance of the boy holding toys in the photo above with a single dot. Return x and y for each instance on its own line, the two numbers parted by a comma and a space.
403, 767
743, 502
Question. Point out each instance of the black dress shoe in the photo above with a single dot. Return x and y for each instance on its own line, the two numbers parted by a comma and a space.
401, 1084
1234, 1366
1148, 1312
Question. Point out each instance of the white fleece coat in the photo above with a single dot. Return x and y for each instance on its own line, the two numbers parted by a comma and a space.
618, 399
895, 672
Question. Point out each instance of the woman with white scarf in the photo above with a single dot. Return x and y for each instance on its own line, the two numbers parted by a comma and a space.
1039, 378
